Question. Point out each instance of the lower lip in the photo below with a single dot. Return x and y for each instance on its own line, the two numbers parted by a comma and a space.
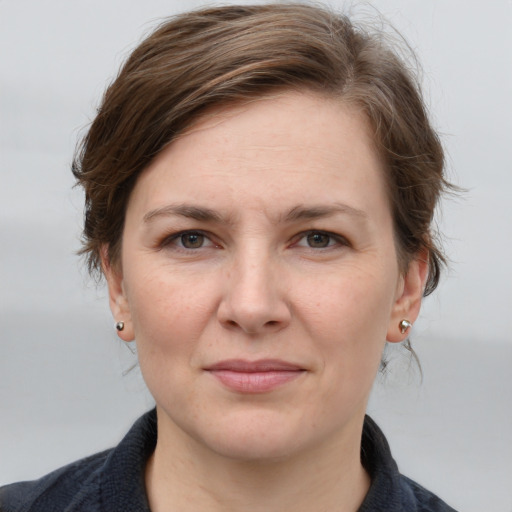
255, 382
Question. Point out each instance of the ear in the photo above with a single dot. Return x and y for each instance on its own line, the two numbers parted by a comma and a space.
117, 298
408, 297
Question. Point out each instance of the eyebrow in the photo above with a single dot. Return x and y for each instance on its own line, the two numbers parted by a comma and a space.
316, 212
297, 213
184, 210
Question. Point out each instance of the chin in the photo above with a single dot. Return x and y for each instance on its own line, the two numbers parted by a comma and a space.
262, 436
257, 448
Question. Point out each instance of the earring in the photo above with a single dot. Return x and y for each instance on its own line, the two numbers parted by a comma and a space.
120, 326
404, 326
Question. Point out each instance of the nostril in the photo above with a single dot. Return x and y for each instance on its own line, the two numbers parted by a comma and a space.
253, 316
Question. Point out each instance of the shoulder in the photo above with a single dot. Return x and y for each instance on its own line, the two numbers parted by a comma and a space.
390, 490
69, 487
108, 481
420, 498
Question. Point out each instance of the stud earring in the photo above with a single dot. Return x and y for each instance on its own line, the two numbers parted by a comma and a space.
404, 326
120, 326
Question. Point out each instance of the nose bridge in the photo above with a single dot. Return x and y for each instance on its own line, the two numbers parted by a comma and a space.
254, 300
251, 276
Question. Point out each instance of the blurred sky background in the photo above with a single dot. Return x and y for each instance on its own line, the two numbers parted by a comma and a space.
62, 389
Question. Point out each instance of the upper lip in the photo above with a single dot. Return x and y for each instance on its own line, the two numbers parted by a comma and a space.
262, 365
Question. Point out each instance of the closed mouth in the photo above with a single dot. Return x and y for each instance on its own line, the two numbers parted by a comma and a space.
263, 365
251, 377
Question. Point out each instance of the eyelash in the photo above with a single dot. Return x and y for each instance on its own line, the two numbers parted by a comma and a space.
334, 240
176, 238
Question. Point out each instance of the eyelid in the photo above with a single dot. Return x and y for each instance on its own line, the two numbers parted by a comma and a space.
173, 237
339, 240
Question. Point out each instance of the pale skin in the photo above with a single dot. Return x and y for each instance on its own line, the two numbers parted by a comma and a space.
264, 233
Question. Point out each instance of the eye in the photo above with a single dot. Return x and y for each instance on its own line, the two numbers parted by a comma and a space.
188, 240
320, 240
192, 240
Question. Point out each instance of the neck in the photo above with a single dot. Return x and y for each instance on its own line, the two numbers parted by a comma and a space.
185, 476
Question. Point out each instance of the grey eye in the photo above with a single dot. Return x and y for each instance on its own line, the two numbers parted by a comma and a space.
192, 240
318, 240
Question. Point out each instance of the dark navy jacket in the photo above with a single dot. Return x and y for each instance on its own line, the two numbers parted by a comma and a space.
113, 480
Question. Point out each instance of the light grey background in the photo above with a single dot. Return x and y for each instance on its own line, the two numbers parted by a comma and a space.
62, 390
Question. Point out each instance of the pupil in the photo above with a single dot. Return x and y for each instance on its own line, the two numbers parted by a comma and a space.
192, 241
318, 240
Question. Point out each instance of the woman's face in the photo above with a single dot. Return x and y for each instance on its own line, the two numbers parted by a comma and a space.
259, 277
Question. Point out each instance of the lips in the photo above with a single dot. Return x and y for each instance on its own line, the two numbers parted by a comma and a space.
254, 376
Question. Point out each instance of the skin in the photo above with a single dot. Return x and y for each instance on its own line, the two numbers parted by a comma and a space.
295, 261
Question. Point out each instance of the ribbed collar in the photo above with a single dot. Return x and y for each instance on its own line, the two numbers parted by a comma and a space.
385, 490
122, 480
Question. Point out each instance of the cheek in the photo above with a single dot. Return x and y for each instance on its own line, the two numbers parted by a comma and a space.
354, 301
348, 316
168, 313
167, 324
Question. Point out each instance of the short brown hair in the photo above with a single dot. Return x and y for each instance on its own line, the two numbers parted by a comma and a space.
217, 56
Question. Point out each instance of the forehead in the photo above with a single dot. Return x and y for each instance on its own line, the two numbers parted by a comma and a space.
288, 146
287, 117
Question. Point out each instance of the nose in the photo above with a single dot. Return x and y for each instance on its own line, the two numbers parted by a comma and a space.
254, 299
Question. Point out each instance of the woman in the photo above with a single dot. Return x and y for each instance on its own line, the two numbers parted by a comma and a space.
260, 184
